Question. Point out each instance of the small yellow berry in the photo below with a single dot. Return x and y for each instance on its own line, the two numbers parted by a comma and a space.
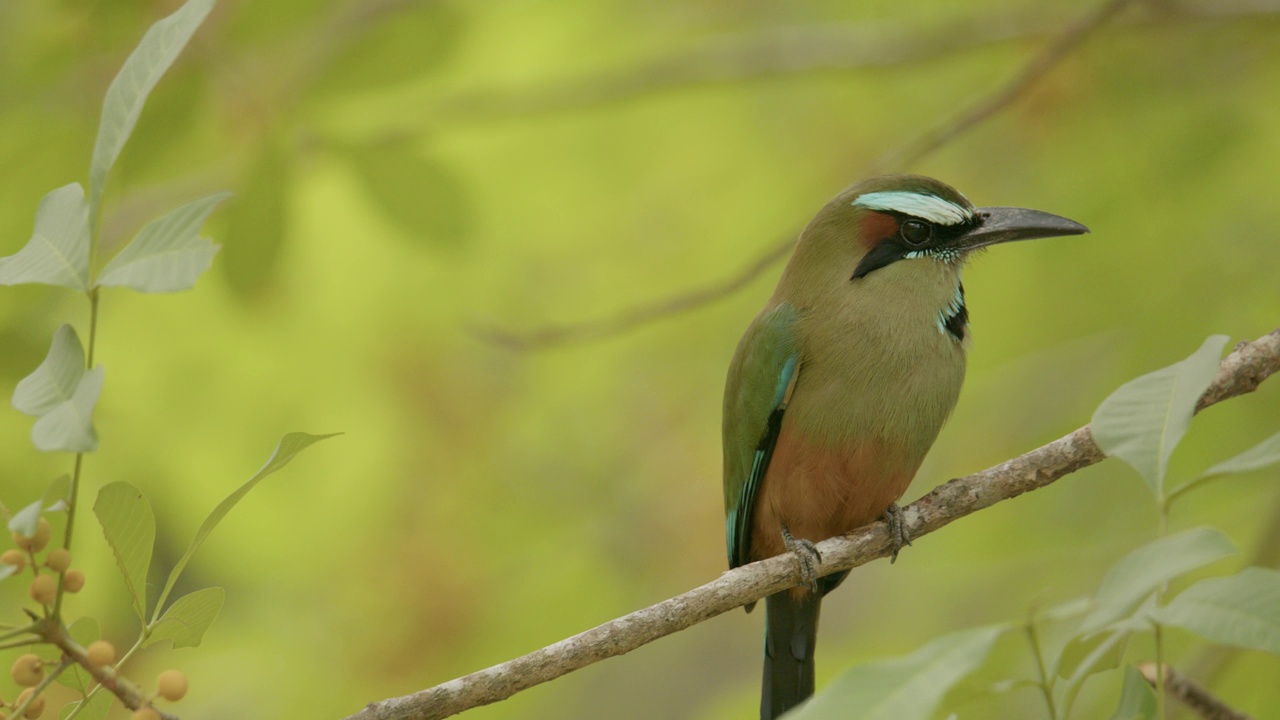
16, 558
44, 589
101, 652
145, 713
36, 542
36, 708
171, 685
27, 671
58, 560
73, 581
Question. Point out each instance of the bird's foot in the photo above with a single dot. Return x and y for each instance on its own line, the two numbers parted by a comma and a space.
898, 534
807, 555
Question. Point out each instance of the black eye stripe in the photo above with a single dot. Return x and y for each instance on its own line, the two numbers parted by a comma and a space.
896, 247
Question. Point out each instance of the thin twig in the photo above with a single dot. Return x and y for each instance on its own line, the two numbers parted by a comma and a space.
1189, 693
1047, 59
45, 682
637, 316
1003, 97
104, 675
786, 52
1240, 372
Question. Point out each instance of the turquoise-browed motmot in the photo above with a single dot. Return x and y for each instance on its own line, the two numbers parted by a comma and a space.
840, 385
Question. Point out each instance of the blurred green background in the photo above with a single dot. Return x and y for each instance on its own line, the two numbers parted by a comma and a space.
409, 172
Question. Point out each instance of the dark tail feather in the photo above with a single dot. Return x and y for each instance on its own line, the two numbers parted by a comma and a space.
791, 633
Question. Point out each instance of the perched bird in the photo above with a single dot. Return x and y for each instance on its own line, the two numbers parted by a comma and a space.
840, 385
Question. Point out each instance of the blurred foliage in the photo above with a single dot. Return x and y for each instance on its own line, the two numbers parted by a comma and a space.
484, 502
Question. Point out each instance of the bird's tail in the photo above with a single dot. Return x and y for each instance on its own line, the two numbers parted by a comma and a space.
791, 633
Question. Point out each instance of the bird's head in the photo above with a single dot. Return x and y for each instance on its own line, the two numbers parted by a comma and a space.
889, 219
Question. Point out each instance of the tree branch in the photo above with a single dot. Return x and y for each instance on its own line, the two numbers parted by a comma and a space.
1003, 97
841, 43
788, 51
1240, 372
106, 676
1189, 693
636, 316
1039, 66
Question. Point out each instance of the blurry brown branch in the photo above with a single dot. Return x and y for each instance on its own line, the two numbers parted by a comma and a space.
1001, 98
1189, 693
801, 50
1240, 372
636, 316
1039, 66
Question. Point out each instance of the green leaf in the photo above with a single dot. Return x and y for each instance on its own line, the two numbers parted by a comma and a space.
906, 688
1143, 421
1263, 454
1257, 457
186, 621
1137, 699
69, 427
130, 527
174, 113
55, 381
258, 223
1242, 610
290, 445
62, 395
84, 631
58, 251
1066, 610
400, 47
1092, 654
168, 255
1138, 574
128, 91
428, 201
25, 520
58, 494
96, 707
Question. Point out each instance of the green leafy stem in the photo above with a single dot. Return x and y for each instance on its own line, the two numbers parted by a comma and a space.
167, 255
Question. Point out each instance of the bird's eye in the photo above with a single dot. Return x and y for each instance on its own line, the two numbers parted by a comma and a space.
915, 232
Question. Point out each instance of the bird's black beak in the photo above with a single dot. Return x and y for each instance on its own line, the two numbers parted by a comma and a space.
1005, 224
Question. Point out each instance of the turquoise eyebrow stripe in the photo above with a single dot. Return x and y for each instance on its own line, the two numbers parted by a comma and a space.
920, 205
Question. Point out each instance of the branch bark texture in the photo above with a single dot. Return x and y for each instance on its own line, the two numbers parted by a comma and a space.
106, 676
1186, 691
1240, 372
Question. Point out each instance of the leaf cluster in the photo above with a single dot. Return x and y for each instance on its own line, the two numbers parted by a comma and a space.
168, 255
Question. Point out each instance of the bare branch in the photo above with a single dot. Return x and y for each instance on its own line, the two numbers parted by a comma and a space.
1003, 97
1040, 65
637, 316
1189, 693
796, 50
104, 675
1240, 372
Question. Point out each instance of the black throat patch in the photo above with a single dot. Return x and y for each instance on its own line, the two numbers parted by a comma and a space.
955, 316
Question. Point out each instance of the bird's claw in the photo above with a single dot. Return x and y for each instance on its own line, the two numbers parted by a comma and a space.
806, 553
899, 536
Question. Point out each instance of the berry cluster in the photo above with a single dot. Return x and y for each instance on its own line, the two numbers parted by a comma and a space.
29, 671
44, 587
